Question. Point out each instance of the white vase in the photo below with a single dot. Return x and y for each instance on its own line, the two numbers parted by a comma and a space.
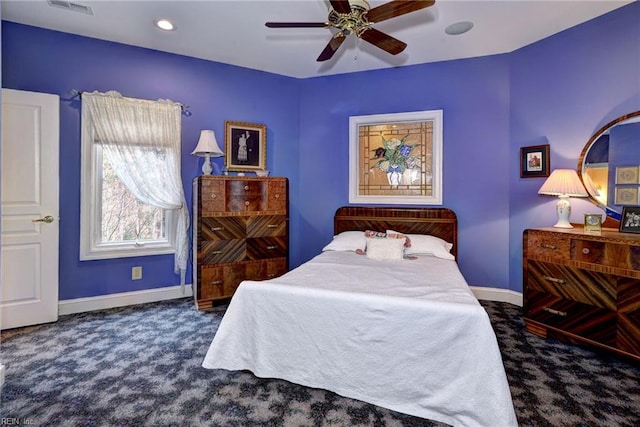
394, 178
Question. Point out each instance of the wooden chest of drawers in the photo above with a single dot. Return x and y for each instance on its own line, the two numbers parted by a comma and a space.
240, 232
583, 287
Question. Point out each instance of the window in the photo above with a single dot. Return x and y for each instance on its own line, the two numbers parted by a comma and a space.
132, 199
114, 223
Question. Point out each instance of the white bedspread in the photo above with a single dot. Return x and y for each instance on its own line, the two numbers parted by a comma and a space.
419, 344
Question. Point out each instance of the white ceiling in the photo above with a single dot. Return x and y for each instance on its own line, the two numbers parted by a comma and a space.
233, 32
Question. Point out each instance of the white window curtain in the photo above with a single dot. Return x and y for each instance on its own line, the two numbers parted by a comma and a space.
142, 140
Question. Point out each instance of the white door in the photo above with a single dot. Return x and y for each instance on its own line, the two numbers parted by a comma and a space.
29, 258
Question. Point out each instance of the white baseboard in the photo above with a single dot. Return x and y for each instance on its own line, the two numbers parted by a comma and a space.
495, 294
81, 305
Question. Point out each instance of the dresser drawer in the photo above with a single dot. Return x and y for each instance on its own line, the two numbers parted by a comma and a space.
603, 253
277, 195
218, 282
266, 269
222, 228
548, 246
588, 287
628, 339
245, 187
221, 251
266, 225
594, 323
267, 247
245, 203
212, 196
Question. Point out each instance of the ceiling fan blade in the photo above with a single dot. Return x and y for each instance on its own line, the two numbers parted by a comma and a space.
396, 8
332, 47
297, 24
383, 41
341, 6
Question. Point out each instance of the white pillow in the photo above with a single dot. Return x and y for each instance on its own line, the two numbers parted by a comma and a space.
424, 244
383, 249
347, 241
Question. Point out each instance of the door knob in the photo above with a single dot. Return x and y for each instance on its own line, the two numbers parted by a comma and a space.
48, 219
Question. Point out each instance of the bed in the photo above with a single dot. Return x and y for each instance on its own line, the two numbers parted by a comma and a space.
407, 335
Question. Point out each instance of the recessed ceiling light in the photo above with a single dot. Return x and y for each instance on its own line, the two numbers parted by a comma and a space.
458, 28
165, 25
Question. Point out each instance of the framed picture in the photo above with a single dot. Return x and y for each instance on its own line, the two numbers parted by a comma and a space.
534, 161
630, 221
396, 158
626, 196
627, 175
245, 146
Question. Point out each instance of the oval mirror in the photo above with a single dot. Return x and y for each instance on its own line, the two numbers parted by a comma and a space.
609, 165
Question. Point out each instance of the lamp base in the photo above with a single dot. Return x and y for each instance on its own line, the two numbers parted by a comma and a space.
207, 168
563, 207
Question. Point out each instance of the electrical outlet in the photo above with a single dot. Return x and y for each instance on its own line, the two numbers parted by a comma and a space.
136, 273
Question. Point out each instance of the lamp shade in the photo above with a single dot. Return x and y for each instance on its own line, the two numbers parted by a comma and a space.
563, 182
207, 144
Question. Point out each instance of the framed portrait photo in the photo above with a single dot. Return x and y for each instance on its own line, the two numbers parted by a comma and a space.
534, 161
630, 220
245, 146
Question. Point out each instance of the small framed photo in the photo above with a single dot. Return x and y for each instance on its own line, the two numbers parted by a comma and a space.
592, 222
630, 221
626, 196
245, 146
534, 161
627, 175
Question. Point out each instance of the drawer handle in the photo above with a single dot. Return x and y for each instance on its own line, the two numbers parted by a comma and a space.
213, 195
217, 228
556, 312
272, 247
246, 187
544, 246
554, 280
216, 282
277, 196
272, 226
246, 203
586, 251
216, 252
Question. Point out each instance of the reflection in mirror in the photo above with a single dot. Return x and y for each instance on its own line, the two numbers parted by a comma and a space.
612, 151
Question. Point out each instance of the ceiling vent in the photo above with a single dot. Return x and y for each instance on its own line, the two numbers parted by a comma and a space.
69, 5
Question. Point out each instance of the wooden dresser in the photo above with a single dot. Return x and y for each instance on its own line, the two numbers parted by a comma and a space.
584, 287
240, 231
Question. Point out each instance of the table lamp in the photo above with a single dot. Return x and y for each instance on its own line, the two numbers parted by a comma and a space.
563, 183
207, 147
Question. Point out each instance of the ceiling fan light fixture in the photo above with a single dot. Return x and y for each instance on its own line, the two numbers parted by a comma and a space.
165, 24
459, 28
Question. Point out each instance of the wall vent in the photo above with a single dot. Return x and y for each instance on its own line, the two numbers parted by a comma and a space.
69, 5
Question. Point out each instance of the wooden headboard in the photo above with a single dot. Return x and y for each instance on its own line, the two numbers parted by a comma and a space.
439, 222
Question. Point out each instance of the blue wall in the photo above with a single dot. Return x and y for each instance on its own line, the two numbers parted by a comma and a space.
559, 91
563, 89
47, 61
475, 142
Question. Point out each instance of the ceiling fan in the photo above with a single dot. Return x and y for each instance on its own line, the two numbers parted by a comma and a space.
356, 17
